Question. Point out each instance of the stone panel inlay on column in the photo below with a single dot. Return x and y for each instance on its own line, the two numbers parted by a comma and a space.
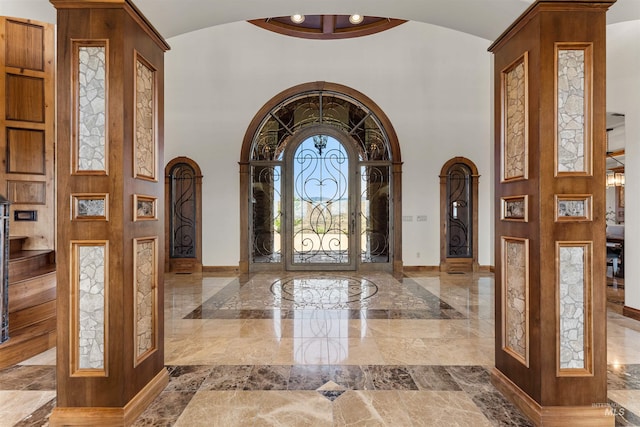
145, 289
572, 89
89, 296
91, 132
514, 90
574, 296
145, 164
515, 208
515, 302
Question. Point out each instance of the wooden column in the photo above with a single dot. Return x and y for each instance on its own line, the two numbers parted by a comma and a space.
550, 195
110, 218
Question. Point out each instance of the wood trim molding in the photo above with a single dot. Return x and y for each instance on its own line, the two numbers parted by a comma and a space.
420, 268
91, 416
127, 5
221, 269
543, 6
631, 312
598, 414
327, 31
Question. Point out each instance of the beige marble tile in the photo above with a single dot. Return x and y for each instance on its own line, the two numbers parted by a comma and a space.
302, 351
47, 357
443, 408
623, 349
433, 351
430, 328
220, 408
194, 351
370, 408
355, 351
15, 405
629, 400
181, 327
262, 328
222, 328
293, 408
250, 351
257, 408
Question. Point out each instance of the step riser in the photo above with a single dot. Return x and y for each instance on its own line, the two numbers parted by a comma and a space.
24, 266
32, 292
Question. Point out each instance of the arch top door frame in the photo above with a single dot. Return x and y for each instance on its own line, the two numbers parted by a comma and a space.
458, 264
393, 145
183, 264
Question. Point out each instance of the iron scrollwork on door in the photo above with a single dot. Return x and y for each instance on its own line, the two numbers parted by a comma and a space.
459, 219
183, 211
320, 202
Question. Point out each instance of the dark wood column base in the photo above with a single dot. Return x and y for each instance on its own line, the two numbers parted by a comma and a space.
599, 414
91, 416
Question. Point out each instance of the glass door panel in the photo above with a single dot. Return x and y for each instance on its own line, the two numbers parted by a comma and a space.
322, 219
374, 213
266, 214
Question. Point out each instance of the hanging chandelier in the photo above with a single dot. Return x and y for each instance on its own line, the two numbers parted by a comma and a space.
320, 142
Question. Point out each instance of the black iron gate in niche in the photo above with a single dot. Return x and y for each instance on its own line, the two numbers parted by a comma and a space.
182, 223
459, 212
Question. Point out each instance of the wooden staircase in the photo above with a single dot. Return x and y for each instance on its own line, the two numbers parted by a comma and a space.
32, 303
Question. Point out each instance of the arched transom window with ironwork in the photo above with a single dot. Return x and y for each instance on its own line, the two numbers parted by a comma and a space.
320, 190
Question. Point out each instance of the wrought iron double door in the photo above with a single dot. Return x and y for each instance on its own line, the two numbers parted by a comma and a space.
320, 209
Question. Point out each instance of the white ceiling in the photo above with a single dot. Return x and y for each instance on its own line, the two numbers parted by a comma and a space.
483, 18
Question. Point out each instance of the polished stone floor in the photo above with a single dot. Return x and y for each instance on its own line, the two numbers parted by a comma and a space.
331, 349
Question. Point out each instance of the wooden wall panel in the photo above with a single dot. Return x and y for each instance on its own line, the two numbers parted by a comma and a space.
27, 78
25, 45
25, 98
26, 151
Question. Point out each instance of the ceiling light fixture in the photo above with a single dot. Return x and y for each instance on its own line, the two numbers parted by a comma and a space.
297, 18
356, 19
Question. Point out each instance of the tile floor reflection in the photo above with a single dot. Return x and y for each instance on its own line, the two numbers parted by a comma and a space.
328, 349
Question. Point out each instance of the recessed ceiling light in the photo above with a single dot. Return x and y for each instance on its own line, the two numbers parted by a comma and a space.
356, 19
297, 18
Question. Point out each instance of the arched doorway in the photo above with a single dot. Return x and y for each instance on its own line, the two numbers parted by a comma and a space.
320, 183
459, 216
183, 216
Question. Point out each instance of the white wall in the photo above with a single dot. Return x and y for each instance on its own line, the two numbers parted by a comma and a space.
432, 82
623, 96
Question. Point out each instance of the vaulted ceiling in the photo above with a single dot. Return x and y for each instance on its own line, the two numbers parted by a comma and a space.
483, 18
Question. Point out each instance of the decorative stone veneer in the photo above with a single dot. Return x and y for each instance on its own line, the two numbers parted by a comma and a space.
515, 148
572, 306
572, 208
91, 307
571, 112
515, 297
145, 141
145, 295
91, 207
91, 108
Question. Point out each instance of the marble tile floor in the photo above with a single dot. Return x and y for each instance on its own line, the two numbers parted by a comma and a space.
330, 349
